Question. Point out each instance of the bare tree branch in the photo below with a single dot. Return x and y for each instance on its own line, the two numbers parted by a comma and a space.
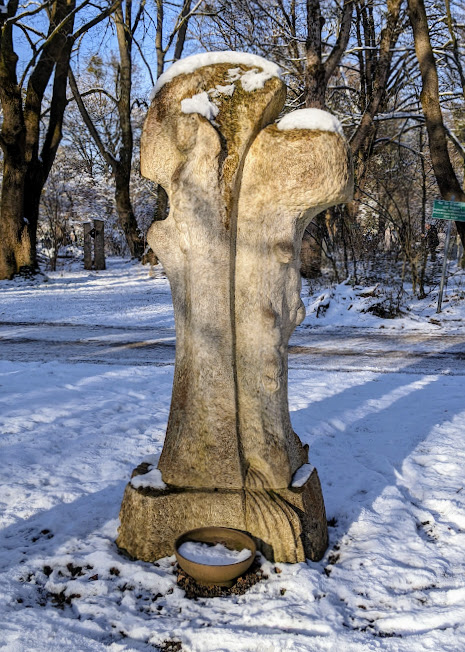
338, 50
108, 158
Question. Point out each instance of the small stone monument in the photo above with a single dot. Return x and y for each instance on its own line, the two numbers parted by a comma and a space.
242, 189
94, 240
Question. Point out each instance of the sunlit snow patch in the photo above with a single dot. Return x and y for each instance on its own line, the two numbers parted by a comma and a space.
252, 80
201, 104
310, 119
152, 479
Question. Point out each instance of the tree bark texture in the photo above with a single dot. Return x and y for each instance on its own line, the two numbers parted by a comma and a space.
28, 153
127, 219
314, 72
25, 172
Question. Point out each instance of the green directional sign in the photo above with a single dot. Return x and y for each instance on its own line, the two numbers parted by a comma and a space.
449, 210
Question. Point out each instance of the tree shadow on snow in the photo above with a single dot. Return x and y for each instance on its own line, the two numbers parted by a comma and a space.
360, 436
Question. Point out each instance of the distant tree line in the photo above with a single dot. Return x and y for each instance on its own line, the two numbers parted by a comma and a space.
74, 82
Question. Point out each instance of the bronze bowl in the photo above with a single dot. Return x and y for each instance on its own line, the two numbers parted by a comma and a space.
220, 575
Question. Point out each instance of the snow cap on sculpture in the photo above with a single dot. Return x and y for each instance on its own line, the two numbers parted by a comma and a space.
314, 119
236, 93
190, 64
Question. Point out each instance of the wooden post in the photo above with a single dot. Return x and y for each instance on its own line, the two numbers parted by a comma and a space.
87, 245
99, 244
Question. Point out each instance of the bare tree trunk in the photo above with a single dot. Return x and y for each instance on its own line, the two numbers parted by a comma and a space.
378, 81
446, 178
34, 185
310, 253
315, 85
28, 153
15, 246
159, 39
126, 217
15, 250
317, 76
181, 38
455, 47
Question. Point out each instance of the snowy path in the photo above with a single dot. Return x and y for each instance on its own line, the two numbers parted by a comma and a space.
389, 448
313, 348
100, 344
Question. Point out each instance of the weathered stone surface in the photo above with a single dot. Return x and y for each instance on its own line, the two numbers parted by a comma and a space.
199, 167
300, 173
241, 192
288, 525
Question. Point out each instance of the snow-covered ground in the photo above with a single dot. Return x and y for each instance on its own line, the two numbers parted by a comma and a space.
389, 448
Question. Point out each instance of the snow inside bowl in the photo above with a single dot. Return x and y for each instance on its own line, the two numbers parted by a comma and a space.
215, 555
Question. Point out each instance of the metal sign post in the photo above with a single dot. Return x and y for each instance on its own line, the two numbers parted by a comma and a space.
444, 266
454, 211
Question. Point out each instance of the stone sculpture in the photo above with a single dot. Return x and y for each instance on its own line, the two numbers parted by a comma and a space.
241, 189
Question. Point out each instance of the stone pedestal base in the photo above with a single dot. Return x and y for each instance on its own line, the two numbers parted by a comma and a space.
288, 525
